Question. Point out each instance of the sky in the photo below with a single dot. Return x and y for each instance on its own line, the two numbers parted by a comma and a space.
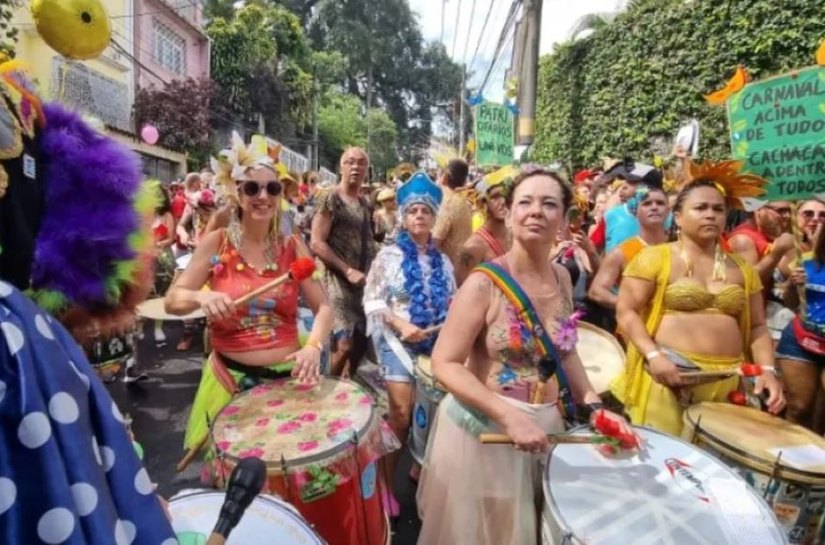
558, 17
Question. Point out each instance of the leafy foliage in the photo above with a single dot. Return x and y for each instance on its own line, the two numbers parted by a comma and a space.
8, 32
388, 64
341, 123
261, 62
634, 81
180, 111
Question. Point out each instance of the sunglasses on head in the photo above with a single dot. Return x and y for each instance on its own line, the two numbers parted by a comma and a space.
809, 215
251, 188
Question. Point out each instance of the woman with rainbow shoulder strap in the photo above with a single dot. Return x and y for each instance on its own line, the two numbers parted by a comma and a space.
693, 285
504, 373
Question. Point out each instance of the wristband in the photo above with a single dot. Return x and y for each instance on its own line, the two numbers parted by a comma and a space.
653, 354
593, 407
315, 344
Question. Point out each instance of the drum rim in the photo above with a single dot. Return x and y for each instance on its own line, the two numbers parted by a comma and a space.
550, 501
312, 458
604, 333
282, 506
751, 461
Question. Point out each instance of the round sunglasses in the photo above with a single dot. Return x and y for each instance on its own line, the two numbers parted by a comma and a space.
251, 188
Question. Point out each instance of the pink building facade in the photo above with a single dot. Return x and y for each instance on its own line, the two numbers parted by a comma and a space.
170, 41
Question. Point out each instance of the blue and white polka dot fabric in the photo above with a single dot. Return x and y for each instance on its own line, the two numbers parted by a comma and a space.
68, 472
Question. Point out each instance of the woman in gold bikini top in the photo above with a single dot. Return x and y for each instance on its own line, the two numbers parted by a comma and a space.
691, 304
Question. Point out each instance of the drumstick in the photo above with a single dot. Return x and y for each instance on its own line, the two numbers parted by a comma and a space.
745, 370
190, 455
301, 269
432, 329
554, 439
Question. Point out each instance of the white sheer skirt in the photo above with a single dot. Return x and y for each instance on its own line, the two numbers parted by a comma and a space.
475, 494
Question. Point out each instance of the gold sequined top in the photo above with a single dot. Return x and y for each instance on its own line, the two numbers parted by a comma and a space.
689, 296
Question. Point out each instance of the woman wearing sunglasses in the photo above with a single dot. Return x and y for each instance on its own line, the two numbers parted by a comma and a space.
258, 340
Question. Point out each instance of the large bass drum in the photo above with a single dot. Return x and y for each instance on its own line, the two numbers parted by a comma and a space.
669, 492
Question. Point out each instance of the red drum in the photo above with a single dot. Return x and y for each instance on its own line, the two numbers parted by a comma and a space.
322, 444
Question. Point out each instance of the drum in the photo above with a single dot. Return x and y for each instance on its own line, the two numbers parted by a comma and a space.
266, 520
428, 394
782, 461
153, 310
601, 354
670, 492
322, 446
109, 356
369, 375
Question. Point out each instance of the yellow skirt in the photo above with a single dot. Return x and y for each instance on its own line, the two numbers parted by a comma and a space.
659, 407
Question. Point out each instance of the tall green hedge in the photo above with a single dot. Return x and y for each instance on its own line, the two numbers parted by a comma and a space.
632, 83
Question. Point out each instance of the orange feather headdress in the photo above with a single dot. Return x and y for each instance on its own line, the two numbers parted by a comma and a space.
737, 187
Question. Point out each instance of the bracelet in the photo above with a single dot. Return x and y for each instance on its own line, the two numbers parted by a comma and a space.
316, 345
653, 354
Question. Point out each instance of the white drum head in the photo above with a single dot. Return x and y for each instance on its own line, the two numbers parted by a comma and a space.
601, 354
183, 261
266, 520
153, 310
671, 492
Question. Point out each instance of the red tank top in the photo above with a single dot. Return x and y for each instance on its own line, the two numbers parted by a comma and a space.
269, 320
758, 237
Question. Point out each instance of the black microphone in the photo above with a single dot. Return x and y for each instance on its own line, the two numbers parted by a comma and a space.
246, 481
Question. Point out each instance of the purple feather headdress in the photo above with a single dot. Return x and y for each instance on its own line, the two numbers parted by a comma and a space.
91, 184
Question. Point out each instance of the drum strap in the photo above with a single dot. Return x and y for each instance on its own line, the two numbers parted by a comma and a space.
808, 340
512, 290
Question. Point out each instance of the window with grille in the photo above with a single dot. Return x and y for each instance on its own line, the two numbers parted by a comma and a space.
170, 49
91, 92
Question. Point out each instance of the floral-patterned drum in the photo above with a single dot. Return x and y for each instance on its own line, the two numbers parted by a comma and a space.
322, 444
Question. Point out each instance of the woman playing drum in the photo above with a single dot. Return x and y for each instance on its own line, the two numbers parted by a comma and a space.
488, 359
256, 340
695, 286
408, 288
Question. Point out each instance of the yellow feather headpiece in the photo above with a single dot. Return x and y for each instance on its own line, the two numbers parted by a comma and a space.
737, 187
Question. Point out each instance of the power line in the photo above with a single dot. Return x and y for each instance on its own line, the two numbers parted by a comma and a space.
481, 36
469, 30
508, 25
455, 29
185, 6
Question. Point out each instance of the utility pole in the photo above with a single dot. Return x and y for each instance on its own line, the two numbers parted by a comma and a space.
529, 71
462, 108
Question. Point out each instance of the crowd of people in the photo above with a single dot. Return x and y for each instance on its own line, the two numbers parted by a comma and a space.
487, 273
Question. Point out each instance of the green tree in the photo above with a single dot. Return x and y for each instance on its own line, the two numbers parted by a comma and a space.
634, 81
260, 59
388, 64
8, 32
342, 123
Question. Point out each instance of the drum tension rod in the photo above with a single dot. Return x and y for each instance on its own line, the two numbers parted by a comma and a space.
774, 473
286, 480
696, 429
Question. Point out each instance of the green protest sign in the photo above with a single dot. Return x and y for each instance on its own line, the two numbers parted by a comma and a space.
777, 127
494, 134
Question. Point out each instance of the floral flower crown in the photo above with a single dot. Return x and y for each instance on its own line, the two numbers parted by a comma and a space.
232, 164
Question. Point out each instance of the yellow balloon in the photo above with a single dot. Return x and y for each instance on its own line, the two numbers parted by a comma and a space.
77, 29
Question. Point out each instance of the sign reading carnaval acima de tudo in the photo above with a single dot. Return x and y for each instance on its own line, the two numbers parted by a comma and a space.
494, 134
777, 126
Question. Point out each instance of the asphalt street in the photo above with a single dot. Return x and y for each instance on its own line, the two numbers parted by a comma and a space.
160, 406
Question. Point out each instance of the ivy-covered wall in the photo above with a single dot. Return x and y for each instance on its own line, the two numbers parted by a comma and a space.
626, 88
